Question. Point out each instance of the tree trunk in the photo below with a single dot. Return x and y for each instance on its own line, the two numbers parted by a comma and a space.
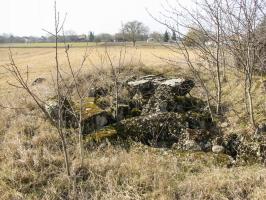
218, 75
80, 133
134, 43
65, 153
251, 111
249, 71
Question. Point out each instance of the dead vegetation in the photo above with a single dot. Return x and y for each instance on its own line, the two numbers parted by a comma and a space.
43, 158
32, 164
32, 168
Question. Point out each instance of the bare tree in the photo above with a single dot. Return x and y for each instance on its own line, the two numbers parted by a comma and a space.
229, 29
244, 18
134, 30
62, 90
81, 94
204, 24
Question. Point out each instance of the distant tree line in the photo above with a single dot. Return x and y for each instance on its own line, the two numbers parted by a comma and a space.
132, 31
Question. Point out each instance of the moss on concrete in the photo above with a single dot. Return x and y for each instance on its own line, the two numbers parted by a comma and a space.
89, 108
106, 133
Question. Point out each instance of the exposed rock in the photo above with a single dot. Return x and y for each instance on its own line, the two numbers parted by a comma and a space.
251, 152
161, 101
260, 134
162, 129
231, 143
52, 107
246, 150
38, 81
144, 87
262, 153
98, 92
261, 128
218, 149
138, 101
96, 121
93, 117
158, 94
180, 86
195, 139
122, 112
156, 112
165, 101
252, 149
147, 85
191, 145
148, 77
224, 125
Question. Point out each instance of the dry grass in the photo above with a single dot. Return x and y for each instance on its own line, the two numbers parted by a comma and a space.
32, 168
41, 60
32, 164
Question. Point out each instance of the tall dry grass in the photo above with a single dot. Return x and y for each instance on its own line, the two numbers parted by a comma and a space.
32, 166
32, 163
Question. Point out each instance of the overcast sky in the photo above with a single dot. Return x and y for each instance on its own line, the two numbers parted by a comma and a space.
29, 17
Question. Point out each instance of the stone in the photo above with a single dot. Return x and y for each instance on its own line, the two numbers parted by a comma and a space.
195, 139
224, 125
246, 149
158, 94
52, 108
98, 92
262, 153
218, 149
38, 81
138, 101
148, 77
161, 129
164, 100
147, 85
231, 143
218, 141
144, 87
93, 117
161, 101
261, 128
250, 152
179, 86
191, 145
95, 121
122, 113
207, 145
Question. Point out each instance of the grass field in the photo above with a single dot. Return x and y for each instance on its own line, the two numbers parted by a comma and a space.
45, 45
40, 61
31, 160
72, 44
